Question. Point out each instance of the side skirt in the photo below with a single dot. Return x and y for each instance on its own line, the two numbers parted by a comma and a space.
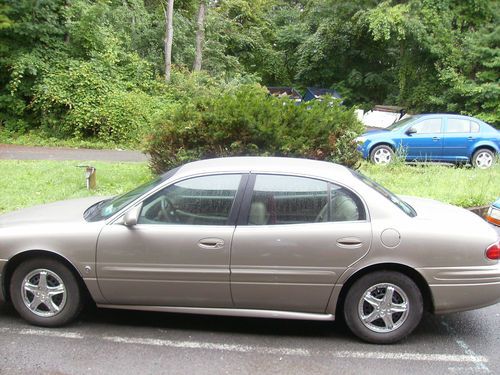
249, 313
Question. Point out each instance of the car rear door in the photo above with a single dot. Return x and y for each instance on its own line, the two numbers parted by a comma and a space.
459, 135
295, 237
178, 253
426, 143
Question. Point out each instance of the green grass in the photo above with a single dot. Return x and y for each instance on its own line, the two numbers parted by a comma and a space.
27, 183
461, 186
40, 138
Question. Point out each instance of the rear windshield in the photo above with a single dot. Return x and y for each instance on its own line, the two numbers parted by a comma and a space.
405, 207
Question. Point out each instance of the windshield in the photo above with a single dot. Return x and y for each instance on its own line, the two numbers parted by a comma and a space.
405, 207
108, 207
400, 123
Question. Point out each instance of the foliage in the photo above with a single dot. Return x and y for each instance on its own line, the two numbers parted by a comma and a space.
247, 121
89, 69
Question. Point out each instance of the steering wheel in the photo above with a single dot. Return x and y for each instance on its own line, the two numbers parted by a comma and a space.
168, 210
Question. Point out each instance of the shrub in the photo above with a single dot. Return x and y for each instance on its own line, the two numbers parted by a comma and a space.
247, 121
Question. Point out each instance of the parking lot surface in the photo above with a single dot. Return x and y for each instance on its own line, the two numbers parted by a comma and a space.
118, 342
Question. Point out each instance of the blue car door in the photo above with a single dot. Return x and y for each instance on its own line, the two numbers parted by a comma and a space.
459, 134
425, 140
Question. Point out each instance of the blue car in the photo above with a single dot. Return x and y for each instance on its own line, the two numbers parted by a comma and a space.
434, 137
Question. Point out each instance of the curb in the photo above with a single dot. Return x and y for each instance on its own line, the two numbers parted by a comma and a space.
480, 211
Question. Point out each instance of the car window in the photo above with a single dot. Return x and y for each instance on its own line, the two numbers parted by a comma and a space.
429, 126
296, 200
456, 125
474, 127
205, 200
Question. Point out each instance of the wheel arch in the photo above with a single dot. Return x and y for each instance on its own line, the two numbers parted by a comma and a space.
381, 143
413, 274
481, 146
17, 259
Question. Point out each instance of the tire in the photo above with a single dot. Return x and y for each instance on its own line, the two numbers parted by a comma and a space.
365, 298
382, 155
483, 158
51, 303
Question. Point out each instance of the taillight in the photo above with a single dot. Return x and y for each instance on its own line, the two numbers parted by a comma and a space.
493, 251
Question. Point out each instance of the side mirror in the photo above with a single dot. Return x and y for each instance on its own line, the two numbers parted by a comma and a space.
131, 217
411, 130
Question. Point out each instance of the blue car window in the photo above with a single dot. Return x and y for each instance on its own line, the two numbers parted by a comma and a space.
458, 125
429, 126
474, 127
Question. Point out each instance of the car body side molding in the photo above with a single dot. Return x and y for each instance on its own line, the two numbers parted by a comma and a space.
249, 313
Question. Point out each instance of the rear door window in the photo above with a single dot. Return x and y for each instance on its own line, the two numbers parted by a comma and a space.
279, 199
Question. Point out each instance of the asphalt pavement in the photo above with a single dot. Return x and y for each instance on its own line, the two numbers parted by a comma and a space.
126, 342
15, 152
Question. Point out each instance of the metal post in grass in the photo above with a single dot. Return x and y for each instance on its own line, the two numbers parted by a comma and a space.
90, 176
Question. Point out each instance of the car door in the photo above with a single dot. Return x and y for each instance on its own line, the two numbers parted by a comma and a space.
178, 253
297, 236
426, 140
458, 138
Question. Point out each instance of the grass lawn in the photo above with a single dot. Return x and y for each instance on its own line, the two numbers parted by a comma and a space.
27, 183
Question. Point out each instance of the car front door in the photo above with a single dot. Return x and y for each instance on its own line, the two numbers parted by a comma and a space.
424, 141
178, 253
298, 235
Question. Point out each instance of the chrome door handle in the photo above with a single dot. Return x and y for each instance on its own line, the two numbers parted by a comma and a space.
350, 242
211, 243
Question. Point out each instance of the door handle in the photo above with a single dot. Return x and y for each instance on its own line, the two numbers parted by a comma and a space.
349, 242
436, 138
211, 243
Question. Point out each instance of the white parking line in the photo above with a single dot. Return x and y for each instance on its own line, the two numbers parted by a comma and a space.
479, 365
50, 333
469, 357
299, 352
209, 346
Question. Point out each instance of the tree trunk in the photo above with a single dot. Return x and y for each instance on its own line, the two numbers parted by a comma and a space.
200, 35
169, 36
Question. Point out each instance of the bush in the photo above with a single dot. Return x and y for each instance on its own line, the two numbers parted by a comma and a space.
245, 120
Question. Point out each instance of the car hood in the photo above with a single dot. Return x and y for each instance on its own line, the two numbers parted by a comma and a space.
58, 212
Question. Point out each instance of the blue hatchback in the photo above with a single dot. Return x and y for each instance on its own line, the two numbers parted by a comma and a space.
434, 137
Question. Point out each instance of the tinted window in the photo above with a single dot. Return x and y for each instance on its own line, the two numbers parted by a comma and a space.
429, 126
456, 125
203, 200
295, 200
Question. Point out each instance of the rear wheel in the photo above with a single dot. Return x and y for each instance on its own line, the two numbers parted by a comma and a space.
45, 292
382, 154
483, 158
383, 307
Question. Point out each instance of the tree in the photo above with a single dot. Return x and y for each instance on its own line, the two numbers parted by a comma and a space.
200, 35
169, 36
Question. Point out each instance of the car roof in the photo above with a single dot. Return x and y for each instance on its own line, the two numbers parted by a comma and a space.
257, 164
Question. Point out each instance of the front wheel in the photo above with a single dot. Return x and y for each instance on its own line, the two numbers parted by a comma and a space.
483, 158
383, 307
45, 292
382, 155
